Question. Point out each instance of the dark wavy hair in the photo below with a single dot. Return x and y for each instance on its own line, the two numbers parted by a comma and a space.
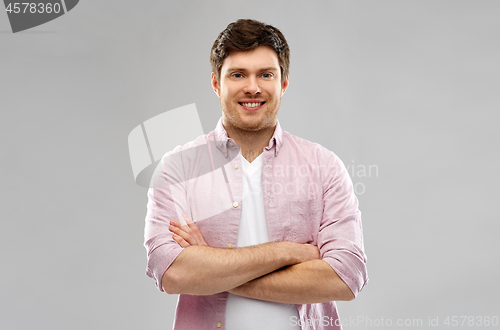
247, 34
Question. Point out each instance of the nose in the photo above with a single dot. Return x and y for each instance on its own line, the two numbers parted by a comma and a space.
251, 86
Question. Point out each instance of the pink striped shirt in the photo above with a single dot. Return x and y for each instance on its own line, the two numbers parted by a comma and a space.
308, 198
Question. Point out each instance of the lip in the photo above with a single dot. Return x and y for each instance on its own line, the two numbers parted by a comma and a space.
251, 108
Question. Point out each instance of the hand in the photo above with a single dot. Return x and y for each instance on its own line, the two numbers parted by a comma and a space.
311, 252
304, 252
186, 235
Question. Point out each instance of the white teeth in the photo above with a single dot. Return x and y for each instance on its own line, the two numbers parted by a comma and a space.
251, 105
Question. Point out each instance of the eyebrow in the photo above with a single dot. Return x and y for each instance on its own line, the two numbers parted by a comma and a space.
271, 68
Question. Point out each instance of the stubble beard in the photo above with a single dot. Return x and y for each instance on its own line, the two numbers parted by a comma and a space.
239, 125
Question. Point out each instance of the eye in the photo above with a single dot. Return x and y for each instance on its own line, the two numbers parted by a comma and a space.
267, 75
236, 75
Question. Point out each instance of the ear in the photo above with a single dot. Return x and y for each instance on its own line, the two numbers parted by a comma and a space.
215, 84
284, 86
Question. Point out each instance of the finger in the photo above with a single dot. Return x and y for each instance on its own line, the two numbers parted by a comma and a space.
182, 227
189, 221
187, 218
180, 232
182, 242
194, 231
192, 225
176, 223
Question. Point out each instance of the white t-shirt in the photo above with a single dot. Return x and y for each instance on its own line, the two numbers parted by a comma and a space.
245, 313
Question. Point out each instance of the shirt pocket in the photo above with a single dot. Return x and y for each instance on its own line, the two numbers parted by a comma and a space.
302, 225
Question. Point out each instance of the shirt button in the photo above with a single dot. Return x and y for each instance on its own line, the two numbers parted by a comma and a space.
277, 149
235, 205
219, 324
236, 165
231, 143
230, 246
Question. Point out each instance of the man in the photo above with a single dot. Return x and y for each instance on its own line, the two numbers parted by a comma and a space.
255, 228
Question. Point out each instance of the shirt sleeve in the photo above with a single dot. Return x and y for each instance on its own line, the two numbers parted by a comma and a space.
340, 237
166, 201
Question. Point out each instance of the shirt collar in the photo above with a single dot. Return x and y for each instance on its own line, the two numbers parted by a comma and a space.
223, 142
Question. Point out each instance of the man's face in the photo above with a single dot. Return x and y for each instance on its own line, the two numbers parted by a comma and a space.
250, 89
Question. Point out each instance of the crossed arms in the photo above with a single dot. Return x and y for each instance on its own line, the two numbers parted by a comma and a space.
283, 272
180, 261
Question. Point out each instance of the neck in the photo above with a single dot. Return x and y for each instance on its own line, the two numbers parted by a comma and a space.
251, 143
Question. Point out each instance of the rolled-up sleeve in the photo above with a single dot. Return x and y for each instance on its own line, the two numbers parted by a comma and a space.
166, 201
340, 237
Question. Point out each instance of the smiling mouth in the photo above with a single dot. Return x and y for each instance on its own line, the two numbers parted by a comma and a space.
251, 105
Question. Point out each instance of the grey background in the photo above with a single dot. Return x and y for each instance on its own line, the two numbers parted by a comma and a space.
410, 87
